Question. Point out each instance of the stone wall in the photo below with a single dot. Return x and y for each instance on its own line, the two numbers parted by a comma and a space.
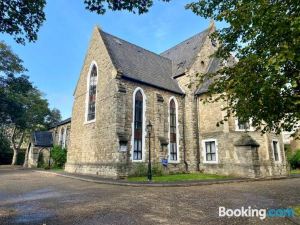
104, 146
295, 143
244, 161
189, 82
38, 155
157, 111
61, 135
95, 143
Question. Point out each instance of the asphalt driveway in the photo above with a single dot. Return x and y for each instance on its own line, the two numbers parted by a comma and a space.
28, 197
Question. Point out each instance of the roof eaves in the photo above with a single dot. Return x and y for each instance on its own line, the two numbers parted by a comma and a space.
153, 85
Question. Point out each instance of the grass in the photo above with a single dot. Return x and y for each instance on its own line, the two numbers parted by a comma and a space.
295, 171
179, 177
56, 169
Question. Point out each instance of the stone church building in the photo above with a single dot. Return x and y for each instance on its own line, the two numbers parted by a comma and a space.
122, 87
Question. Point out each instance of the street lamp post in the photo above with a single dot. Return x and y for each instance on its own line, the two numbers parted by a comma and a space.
149, 130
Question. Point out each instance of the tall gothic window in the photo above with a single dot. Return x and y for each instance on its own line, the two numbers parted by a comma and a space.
61, 137
275, 150
92, 94
173, 132
138, 126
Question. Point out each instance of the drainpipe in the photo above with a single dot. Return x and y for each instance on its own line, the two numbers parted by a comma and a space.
183, 130
197, 135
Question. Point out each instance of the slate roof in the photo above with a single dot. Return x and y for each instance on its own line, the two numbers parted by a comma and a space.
215, 65
184, 54
246, 140
61, 123
139, 64
42, 139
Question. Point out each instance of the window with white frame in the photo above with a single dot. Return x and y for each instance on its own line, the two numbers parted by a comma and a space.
138, 125
243, 126
210, 151
92, 87
173, 131
276, 150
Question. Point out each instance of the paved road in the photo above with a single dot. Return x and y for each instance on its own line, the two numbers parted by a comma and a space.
28, 197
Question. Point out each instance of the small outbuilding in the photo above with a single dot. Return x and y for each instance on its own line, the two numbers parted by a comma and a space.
39, 148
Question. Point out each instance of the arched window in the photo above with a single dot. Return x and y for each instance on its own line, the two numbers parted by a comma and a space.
62, 138
92, 94
138, 126
173, 135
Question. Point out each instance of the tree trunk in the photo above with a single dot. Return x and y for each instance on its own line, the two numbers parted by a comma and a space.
16, 148
15, 157
26, 156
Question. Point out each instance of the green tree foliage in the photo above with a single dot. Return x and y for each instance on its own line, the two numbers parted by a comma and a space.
59, 157
294, 160
22, 18
264, 84
10, 63
135, 6
53, 118
23, 109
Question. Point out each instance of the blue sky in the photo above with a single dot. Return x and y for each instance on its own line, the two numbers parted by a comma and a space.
55, 60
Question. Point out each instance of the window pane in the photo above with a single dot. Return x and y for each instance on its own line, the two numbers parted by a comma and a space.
243, 126
210, 149
138, 125
213, 157
275, 149
92, 94
173, 131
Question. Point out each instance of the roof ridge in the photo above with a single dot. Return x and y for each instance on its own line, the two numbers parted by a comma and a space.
156, 54
184, 41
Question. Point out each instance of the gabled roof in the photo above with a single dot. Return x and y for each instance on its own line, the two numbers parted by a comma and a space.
61, 123
246, 140
214, 66
139, 64
42, 139
184, 54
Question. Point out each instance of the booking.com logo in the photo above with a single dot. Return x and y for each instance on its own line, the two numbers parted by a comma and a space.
260, 213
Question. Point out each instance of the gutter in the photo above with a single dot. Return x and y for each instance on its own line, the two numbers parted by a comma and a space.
197, 135
184, 144
152, 85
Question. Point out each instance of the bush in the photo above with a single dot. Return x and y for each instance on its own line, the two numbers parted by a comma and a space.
138, 170
141, 170
5, 150
59, 157
158, 170
294, 160
41, 163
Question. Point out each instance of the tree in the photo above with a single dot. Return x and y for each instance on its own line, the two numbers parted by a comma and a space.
100, 6
10, 63
22, 18
23, 110
264, 83
53, 118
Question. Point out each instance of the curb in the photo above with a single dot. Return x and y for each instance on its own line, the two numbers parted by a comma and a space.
183, 184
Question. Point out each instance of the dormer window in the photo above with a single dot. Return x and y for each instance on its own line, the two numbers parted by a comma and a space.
244, 126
